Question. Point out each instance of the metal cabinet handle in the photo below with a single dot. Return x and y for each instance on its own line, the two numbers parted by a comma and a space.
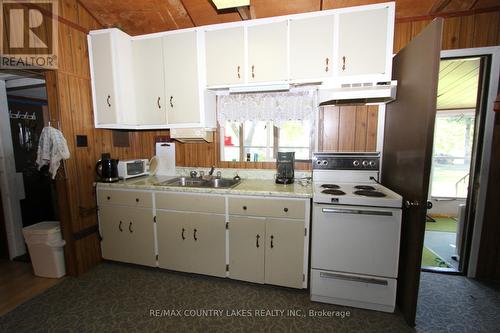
253, 71
171, 101
285, 210
109, 198
158, 102
239, 76
343, 63
182, 234
194, 235
136, 199
272, 241
130, 227
120, 226
353, 278
108, 100
257, 240
326, 64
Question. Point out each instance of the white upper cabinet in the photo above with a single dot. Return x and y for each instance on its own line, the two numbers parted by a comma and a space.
267, 52
225, 56
311, 47
111, 72
365, 44
149, 81
180, 58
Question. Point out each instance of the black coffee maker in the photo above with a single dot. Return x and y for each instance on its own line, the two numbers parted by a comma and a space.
285, 167
107, 169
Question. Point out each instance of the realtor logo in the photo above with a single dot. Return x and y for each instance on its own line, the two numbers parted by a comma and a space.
28, 37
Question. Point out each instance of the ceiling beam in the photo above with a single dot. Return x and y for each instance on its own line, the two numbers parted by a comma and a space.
246, 12
187, 12
438, 6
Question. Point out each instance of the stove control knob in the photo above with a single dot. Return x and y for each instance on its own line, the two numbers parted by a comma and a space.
355, 163
325, 162
372, 163
365, 163
318, 162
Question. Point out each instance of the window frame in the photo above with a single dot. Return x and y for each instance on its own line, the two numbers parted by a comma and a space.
275, 147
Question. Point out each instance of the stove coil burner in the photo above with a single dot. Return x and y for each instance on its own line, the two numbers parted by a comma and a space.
365, 187
333, 192
369, 193
330, 186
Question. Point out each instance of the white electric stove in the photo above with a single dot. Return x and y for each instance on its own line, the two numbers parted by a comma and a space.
356, 226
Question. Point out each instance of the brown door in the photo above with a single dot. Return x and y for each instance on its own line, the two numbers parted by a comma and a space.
406, 165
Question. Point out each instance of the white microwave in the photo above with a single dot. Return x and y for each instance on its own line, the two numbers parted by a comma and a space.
133, 168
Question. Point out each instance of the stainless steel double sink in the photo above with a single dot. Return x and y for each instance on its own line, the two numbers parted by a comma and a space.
200, 182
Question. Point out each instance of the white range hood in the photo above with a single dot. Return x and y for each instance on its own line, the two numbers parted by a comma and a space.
357, 94
192, 134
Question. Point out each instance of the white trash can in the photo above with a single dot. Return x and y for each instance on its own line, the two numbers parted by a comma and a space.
45, 245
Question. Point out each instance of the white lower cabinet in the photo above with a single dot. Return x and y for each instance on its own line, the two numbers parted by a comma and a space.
208, 234
191, 242
266, 250
246, 248
127, 234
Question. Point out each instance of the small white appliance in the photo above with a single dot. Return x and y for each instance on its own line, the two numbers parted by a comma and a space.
165, 158
133, 168
356, 226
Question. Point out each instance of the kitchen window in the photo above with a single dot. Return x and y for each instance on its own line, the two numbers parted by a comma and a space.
254, 127
259, 141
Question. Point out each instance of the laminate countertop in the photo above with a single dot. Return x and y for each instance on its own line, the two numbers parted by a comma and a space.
258, 187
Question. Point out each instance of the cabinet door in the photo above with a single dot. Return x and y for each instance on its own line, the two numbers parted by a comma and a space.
284, 252
113, 232
311, 47
149, 82
246, 248
102, 78
175, 249
208, 237
181, 77
139, 231
362, 42
225, 56
267, 52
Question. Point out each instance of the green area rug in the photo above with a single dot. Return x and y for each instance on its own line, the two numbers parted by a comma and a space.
430, 259
442, 224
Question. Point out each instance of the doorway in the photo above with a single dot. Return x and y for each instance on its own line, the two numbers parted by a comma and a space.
31, 191
458, 107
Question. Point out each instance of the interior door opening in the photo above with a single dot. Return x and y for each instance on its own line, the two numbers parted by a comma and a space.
457, 137
28, 114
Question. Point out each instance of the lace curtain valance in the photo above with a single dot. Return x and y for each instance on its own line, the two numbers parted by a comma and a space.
277, 107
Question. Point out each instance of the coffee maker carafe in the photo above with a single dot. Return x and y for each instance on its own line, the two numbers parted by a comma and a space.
107, 169
285, 167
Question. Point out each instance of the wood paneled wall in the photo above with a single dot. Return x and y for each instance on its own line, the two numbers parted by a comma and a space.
70, 106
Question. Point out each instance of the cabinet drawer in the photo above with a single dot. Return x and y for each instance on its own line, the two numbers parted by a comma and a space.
204, 203
125, 198
267, 207
363, 291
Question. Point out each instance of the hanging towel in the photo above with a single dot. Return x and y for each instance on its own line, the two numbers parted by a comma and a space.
52, 148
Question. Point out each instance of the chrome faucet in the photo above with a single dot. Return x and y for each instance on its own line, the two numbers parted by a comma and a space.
212, 169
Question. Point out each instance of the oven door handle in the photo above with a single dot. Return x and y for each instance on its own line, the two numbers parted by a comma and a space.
353, 278
356, 211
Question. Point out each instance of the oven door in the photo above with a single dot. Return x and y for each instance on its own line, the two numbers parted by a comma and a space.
356, 239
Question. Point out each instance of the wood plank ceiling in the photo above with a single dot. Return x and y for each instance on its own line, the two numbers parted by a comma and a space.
148, 16
458, 84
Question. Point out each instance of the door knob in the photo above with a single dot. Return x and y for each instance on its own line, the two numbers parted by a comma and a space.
411, 203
